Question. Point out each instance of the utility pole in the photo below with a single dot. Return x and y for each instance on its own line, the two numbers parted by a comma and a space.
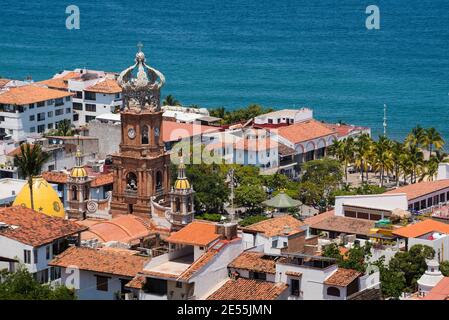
385, 120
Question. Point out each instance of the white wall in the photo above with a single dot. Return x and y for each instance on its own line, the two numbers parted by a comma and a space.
441, 246
375, 201
85, 283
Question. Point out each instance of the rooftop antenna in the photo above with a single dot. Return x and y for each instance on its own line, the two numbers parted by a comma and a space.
385, 120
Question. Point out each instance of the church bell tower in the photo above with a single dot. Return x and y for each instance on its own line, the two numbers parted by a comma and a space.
141, 168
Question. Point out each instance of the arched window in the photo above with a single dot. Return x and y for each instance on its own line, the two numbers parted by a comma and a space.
131, 181
177, 205
158, 180
189, 204
86, 193
332, 291
74, 193
145, 135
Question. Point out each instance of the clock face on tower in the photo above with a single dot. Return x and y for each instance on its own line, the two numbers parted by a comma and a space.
131, 133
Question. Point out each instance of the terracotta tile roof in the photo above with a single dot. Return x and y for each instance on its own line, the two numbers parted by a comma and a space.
304, 131
103, 180
30, 94
17, 151
440, 291
319, 217
293, 274
124, 228
97, 260
136, 283
420, 189
60, 82
282, 225
344, 130
3, 82
342, 277
198, 265
55, 177
34, 228
174, 131
195, 234
105, 86
159, 274
345, 225
248, 289
254, 261
421, 228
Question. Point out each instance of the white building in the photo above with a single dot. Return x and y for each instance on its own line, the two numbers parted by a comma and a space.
98, 274
9, 188
31, 109
32, 239
430, 278
195, 265
284, 117
95, 92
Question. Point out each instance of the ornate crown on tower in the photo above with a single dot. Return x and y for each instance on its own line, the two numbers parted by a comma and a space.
141, 90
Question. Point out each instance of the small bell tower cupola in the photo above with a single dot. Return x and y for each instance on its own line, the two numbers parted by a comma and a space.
78, 189
181, 200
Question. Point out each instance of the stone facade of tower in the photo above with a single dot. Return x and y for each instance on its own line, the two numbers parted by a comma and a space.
78, 190
142, 167
181, 201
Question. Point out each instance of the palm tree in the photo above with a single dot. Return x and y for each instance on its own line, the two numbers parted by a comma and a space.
416, 158
64, 128
30, 162
382, 158
397, 152
432, 139
362, 149
416, 137
170, 101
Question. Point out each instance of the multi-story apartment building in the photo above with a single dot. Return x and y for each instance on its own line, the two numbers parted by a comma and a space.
32, 109
95, 92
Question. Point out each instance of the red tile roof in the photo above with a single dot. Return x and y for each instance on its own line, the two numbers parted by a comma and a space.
342, 277
420, 189
319, 217
102, 180
421, 228
55, 177
98, 260
440, 291
109, 86
136, 283
196, 233
34, 228
304, 131
282, 225
344, 130
30, 94
248, 289
344, 225
59, 82
125, 228
254, 261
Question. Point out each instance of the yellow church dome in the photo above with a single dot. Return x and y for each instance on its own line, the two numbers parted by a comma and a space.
182, 184
46, 199
78, 172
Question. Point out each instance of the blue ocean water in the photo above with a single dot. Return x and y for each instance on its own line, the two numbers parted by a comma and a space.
232, 53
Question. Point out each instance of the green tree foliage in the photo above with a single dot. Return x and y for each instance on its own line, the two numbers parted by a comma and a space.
444, 268
215, 217
404, 270
64, 129
277, 181
239, 115
251, 220
21, 285
356, 258
321, 178
211, 192
250, 196
171, 101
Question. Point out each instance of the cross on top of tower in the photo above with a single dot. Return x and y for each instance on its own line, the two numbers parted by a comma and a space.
139, 46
